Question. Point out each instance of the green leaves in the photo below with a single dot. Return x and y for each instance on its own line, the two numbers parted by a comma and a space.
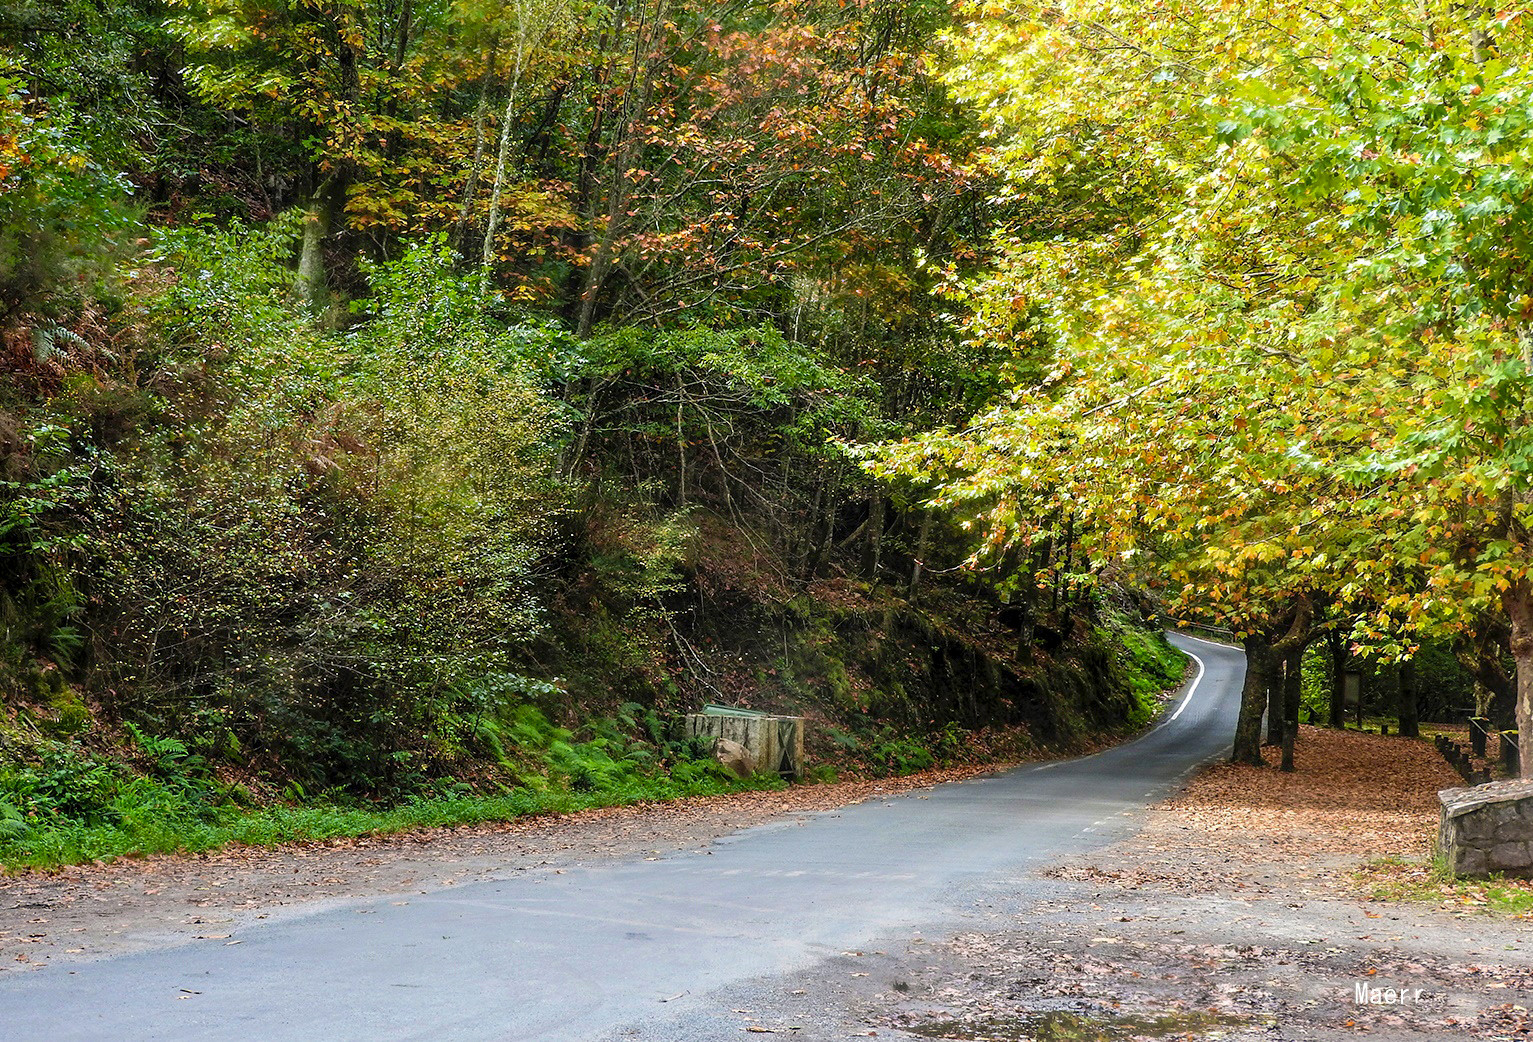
1291, 363
63, 218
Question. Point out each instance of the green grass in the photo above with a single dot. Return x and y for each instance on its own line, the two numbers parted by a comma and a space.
1151, 667
1393, 879
152, 818
67, 804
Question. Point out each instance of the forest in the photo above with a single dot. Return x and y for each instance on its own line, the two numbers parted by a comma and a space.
410, 407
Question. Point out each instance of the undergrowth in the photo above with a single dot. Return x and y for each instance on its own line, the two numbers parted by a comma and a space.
1150, 665
68, 804
92, 791
152, 818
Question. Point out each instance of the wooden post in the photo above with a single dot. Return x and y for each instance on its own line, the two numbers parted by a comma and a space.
1478, 727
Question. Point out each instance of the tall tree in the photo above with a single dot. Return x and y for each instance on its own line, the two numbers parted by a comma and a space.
350, 85
1294, 329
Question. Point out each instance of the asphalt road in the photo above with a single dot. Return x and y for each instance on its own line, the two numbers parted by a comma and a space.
630, 949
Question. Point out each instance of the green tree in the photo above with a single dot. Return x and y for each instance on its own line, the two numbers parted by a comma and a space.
355, 89
1289, 340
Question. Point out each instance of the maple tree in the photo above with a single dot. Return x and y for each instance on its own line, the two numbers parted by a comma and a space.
350, 93
1276, 259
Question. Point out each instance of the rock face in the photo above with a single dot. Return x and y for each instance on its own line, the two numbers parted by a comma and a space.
1488, 829
735, 758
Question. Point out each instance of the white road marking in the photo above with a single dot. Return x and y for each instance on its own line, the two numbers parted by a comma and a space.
1202, 669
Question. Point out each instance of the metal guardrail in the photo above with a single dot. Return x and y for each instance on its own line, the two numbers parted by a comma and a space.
1197, 629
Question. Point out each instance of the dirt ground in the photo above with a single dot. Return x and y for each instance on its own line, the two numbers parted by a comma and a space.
130, 904
1236, 912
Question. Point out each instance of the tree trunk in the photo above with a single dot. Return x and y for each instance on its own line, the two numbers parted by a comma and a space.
872, 549
310, 286
1338, 706
1518, 602
1276, 716
476, 168
1026, 630
600, 265
1248, 730
826, 541
919, 564
528, 37
1409, 727
1501, 707
492, 224
803, 537
681, 444
1481, 701
623, 150
1293, 691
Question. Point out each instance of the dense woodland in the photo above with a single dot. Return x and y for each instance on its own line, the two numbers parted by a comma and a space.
412, 402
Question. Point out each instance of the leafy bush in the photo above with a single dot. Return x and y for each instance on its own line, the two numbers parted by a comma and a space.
900, 754
61, 215
326, 540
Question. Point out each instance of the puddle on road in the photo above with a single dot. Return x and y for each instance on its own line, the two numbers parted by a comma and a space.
1080, 1027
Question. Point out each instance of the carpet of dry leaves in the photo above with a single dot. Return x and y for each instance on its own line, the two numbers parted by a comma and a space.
1351, 793
1353, 798
1237, 912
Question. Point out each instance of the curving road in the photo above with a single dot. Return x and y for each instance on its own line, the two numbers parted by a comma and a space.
638, 949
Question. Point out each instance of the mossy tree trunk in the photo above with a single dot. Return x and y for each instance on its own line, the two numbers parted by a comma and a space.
311, 286
1253, 699
1293, 693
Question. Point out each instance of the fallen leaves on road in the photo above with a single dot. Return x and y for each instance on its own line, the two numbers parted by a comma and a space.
1254, 831
1353, 797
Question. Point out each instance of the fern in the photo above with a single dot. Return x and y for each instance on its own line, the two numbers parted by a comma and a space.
13, 825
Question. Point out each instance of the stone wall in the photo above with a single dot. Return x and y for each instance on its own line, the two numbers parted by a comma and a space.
1488, 828
775, 743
